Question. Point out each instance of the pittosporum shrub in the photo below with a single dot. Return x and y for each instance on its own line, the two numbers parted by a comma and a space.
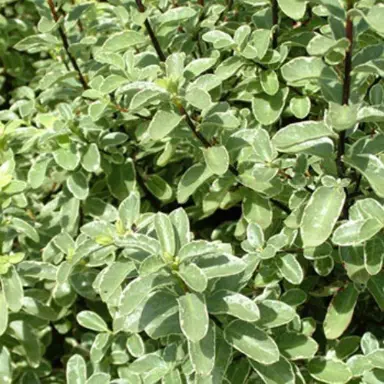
192, 191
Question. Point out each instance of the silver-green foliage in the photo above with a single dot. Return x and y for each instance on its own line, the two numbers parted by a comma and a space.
191, 191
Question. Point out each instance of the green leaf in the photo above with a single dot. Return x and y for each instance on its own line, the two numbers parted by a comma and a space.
13, 289
234, 304
220, 265
300, 136
219, 39
217, 159
194, 321
320, 215
374, 17
91, 320
356, 232
267, 109
36, 173
76, 372
302, 69
192, 179
342, 117
329, 371
122, 40
4, 316
300, 106
202, 353
377, 358
21, 226
159, 187
67, 158
24, 333
369, 343
251, 341
91, 158
99, 378
77, 184
166, 235
269, 82
122, 179
372, 168
177, 15
296, 346
194, 277
5, 365
376, 288
295, 9
135, 345
280, 372
290, 268
257, 209
198, 66
129, 210
340, 312
163, 123
275, 313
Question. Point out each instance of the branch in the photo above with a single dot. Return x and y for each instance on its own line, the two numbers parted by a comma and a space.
66, 45
151, 33
346, 88
275, 22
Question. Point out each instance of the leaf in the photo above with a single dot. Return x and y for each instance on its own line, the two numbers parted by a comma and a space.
369, 343
76, 372
295, 9
135, 345
251, 341
166, 235
280, 372
267, 109
217, 159
5, 365
67, 158
122, 40
219, 39
372, 168
177, 15
4, 316
329, 371
376, 288
91, 158
377, 358
192, 179
296, 346
374, 17
129, 210
99, 378
356, 232
159, 187
320, 215
194, 277
198, 66
300, 106
36, 173
269, 82
300, 136
13, 289
302, 69
234, 304
275, 313
91, 320
21, 226
342, 117
77, 183
220, 265
257, 209
340, 312
290, 268
194, 321
202, 353
163, 123
122, 179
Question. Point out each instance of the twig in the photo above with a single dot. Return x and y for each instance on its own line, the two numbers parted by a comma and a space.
151, 33
66, 45
275, 22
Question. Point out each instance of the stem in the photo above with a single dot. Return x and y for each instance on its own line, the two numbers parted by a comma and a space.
346, 89
64, 39
229, 5
275, 22
151, 33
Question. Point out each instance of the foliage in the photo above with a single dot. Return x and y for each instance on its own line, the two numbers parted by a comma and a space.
192, 191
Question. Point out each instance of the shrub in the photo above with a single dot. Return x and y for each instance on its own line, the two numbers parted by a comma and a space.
192, 192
